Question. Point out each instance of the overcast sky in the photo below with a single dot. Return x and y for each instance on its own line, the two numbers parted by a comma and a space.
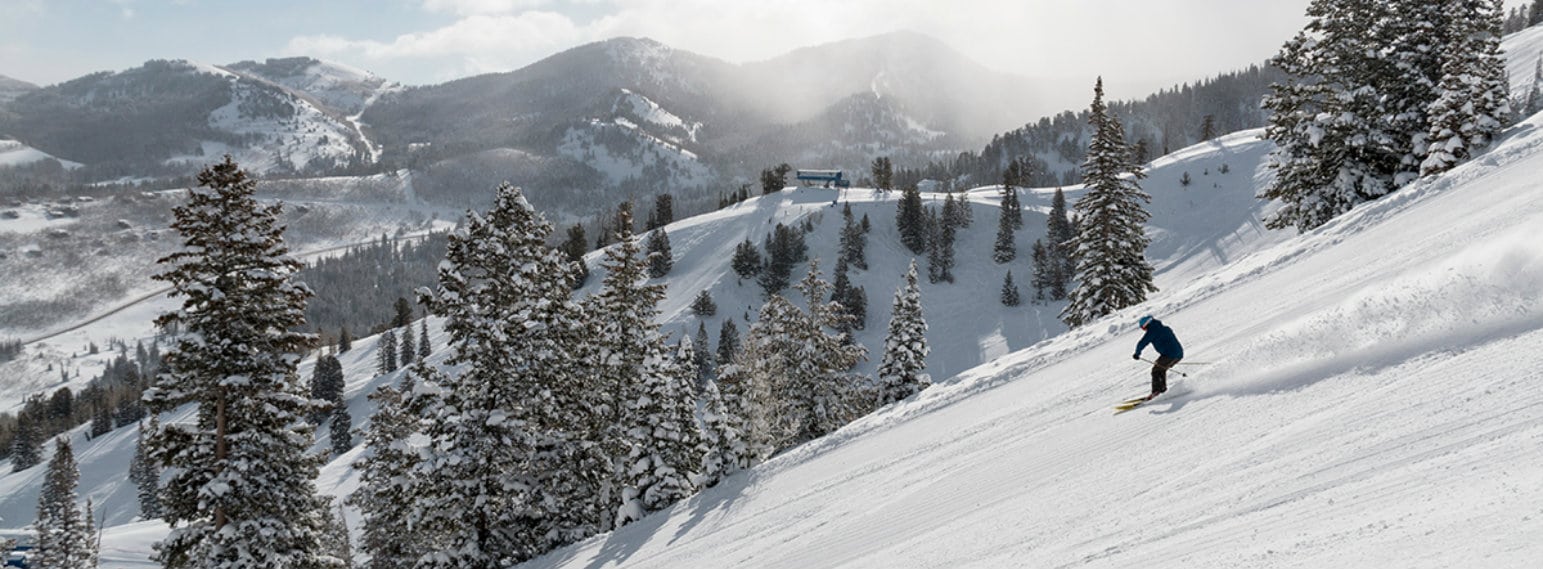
1137, 45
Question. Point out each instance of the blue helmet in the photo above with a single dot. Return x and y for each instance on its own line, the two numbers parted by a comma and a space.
1145, 320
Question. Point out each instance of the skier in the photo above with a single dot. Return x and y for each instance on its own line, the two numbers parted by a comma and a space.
1169, 351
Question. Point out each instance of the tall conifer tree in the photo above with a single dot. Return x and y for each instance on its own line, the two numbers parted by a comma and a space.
65, 539
1111, 242
242, 490
901, 372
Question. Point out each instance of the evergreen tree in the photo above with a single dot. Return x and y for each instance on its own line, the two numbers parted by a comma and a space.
940, 259
704, 354
24, 447
1043, 271
728, 342
773, 180
385, 494
747, 260
633, 364
663, 214
854, 244
703, 305
404, 313
905, 345
843, 295
326, 384
1535, 13
1473, 96
1013, 177
495, 485
660, 259
64, 535
1010, 295
424, 349
883, 174
345, 340
385, 353
719, 444
340, 545
1111, 241
785, 248
795, 384
1005, 249
341, 429
1059, 233
574, 248
407, 346
911, 220
242, 489
101, 421
146, 478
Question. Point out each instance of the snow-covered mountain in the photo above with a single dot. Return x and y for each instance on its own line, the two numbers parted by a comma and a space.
284, 115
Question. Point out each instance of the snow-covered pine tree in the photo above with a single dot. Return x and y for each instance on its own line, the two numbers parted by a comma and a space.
719, 443
1010, 295
905, 345
1044, 268
490, 489
911, 220
796, 385
64, 536
385, 352
1059, 233
424, 348
24, 447
747, 260
1004, 250
385, 491
654, 460
940, 257
728, 342
1346, 120
326, 384
1111, 241
660, 259
704, 354
345, 340
1012, 178
703, 305
574, 248
241, 492
341, 429
407, 346
146, 478
1474, 98
340, 544
854, 244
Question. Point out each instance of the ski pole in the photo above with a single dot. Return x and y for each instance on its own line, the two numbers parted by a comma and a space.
1170, 368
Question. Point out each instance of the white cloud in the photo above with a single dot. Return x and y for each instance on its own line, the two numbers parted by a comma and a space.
482, 42
473, 7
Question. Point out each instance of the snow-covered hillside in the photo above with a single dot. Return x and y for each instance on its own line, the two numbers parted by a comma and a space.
1364, 400
1368, 399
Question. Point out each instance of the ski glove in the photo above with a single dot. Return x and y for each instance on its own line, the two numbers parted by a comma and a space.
1135, 356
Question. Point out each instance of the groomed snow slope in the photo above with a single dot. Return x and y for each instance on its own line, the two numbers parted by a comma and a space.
1372, 401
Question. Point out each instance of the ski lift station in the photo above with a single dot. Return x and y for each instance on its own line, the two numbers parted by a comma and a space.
826, 178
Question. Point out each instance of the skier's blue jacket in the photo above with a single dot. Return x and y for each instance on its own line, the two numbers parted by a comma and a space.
1162, 339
